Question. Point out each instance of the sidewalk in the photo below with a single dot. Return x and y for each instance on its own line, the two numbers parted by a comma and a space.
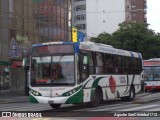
13, 97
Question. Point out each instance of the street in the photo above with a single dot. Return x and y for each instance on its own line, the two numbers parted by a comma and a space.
110, 106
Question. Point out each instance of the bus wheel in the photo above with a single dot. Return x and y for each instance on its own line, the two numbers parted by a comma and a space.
55, 106
96, 98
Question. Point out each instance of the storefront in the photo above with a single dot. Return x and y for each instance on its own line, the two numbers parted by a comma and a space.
26, 64
4, 75
17, 75
24, 26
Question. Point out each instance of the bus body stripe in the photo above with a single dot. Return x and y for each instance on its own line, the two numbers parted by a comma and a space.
32, 99
84, 86
132, 55
96, 81
127, 90
76, 98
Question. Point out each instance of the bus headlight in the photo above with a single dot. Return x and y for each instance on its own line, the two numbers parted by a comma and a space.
71, 91
74, 91
35, 93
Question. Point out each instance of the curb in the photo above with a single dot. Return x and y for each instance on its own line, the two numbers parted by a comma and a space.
138, 101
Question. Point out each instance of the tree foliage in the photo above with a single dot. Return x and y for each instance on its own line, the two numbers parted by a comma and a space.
133, 37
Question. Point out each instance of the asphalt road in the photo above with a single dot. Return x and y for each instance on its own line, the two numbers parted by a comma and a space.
143, 103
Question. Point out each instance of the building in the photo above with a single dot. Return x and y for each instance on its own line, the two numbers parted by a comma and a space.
93, 17
136, 10
22, 23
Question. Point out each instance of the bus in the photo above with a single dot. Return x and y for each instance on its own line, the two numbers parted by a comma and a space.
151, 74
82, 72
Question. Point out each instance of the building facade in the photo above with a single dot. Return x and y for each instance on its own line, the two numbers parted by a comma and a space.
136, 10
23, 23
93, 17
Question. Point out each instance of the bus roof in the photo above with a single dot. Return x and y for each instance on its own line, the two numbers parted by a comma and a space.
107, 49
152, 62
153, 59
98, 47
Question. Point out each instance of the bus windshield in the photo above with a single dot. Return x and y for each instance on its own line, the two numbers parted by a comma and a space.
152, 73
53, 70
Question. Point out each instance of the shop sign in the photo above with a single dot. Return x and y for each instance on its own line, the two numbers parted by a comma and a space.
16, 64
14, 49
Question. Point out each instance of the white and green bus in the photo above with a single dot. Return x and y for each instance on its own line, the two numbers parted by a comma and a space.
82, 72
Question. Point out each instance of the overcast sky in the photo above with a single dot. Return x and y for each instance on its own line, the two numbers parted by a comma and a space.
153, 14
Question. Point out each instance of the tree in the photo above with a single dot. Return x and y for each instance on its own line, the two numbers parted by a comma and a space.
133, 37
104, 38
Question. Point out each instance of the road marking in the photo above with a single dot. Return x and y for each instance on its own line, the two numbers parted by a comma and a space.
108, 107
137, 108
114, 108
154, 109
27, 108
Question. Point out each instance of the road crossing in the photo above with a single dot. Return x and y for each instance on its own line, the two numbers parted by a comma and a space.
115, 106
125, 107
24, 107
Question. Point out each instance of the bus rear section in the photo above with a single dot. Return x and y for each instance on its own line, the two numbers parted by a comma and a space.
151, 74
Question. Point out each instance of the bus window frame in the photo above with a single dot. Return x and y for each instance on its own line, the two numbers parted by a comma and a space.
101, 68
51, 85
83, 53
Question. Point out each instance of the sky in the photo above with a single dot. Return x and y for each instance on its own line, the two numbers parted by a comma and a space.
153, 14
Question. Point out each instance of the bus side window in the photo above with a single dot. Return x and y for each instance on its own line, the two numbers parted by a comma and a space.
127, 65
109, 64
85, 60
91, 66
84, 67
85, 63
99, 65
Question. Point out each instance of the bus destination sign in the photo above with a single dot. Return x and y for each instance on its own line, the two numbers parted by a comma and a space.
52, 49
151, 63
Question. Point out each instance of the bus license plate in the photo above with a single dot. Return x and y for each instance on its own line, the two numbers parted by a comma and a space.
50, 101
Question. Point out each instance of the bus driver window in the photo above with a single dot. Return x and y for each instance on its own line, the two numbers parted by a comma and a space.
57, 71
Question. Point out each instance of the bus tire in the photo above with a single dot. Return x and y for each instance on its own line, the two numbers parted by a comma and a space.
97, 97
55, 106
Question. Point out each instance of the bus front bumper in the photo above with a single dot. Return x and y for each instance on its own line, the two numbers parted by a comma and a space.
49, 100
